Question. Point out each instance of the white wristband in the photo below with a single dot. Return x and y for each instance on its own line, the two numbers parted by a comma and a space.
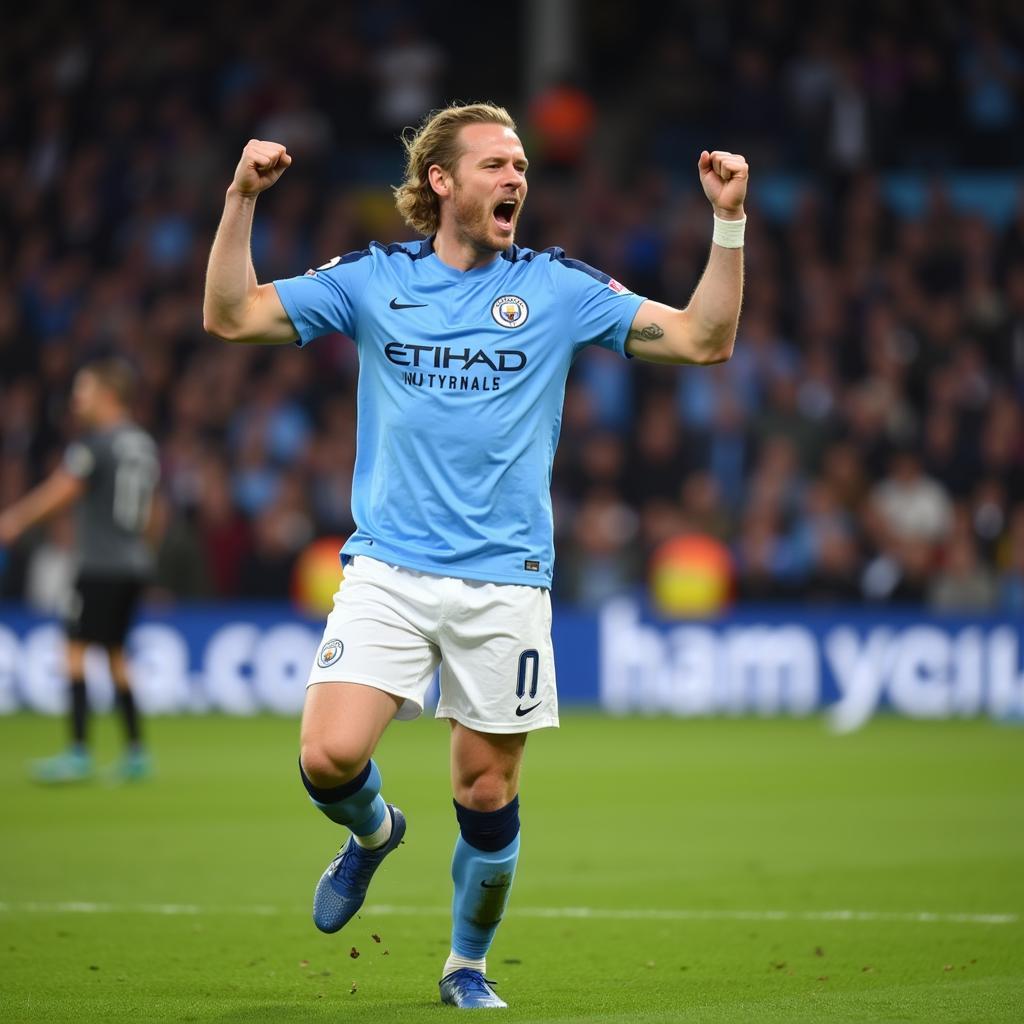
729, 233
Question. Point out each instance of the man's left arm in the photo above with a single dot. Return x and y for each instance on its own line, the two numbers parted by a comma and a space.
705, 330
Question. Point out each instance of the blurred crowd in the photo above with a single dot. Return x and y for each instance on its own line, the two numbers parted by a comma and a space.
864, 443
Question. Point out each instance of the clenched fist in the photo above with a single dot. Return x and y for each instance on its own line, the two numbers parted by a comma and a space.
261, 165
724, 177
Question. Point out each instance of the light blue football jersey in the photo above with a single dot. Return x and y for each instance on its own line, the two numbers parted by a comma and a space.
461, 382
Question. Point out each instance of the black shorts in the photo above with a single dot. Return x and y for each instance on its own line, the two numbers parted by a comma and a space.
102, 608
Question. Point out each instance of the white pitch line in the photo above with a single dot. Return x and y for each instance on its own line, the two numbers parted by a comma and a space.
579, 913
166, 909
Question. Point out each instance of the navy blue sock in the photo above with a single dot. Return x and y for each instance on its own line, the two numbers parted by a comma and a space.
357, 804
483, 867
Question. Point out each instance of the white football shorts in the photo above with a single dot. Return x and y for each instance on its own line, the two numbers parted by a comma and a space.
391, 627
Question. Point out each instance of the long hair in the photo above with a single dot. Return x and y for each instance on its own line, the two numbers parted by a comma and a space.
436, 141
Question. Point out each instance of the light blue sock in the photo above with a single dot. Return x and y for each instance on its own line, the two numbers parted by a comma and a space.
356, 804
482, 877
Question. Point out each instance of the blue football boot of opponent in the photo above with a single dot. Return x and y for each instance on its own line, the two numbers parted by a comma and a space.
342, 887
73, 765
135, 766
469, 990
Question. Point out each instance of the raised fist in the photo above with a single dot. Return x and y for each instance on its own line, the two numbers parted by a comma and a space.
261, 165
724, 177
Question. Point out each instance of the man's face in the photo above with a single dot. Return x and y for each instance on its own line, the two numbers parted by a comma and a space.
85, 397
488, 186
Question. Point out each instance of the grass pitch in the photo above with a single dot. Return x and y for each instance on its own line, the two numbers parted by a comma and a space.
699, 871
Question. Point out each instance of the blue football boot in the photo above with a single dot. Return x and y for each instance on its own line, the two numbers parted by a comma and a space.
73, 765
342, 887
135, 766
469, 990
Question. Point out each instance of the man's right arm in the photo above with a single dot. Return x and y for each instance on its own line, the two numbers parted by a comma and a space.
236, 307
55, 493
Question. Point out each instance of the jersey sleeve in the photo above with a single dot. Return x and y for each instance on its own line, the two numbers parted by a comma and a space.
600, 309
326, 299
80, 459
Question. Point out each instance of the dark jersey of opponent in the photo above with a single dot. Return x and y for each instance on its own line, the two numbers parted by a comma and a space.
120, 468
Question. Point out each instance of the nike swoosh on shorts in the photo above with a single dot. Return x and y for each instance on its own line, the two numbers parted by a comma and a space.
520, 711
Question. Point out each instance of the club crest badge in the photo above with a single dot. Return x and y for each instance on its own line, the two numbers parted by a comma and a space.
330, 653
510, 311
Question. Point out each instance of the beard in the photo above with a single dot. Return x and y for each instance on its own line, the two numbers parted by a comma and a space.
474, 221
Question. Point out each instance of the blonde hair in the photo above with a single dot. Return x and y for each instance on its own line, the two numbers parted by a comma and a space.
436, 141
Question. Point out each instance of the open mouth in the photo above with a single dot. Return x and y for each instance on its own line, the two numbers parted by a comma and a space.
504, 213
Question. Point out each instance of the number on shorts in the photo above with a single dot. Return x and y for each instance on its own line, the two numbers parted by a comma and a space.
526, 659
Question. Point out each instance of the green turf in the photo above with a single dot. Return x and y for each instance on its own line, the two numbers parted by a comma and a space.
626, 815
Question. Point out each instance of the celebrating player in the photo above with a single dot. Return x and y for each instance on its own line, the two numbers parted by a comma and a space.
465, 341
111, 473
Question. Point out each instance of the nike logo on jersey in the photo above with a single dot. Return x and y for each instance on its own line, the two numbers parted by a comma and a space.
395, 304
520, 710
500, 885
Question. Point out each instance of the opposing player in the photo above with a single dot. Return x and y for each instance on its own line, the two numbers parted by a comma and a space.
465, 341
111, 473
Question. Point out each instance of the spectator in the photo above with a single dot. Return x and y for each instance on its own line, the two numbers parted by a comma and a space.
562, 118
601, 560
408, 69
224, 532
911, 505
1011, 566
963, 584
280, 531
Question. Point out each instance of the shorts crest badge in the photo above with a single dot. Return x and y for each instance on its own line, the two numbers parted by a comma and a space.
330, 653
510, 311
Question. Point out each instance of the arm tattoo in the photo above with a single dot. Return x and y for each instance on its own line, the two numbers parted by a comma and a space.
649, 333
